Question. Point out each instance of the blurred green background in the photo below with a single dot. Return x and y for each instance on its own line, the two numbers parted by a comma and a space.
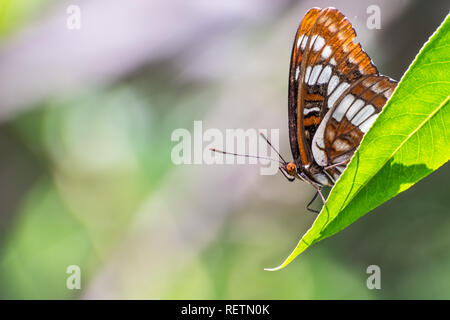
86, 177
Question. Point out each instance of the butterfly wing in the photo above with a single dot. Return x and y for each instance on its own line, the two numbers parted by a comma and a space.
349, 117
297, 137
326, 66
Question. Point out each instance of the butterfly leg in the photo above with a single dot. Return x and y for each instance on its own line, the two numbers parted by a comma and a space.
310, 203
318, 192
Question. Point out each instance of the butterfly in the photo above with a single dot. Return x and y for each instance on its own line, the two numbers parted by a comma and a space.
335, 95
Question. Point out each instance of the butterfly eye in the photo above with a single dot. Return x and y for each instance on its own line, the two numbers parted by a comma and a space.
291, 169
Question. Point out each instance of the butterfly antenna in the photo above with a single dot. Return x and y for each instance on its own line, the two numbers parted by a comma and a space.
243, 155
268, 142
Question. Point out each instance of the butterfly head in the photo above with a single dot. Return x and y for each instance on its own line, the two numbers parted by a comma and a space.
291, 168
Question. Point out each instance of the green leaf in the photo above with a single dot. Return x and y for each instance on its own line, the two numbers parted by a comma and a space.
408, 141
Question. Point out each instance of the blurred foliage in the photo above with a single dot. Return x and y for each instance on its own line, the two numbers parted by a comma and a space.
79, 169
14, 13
